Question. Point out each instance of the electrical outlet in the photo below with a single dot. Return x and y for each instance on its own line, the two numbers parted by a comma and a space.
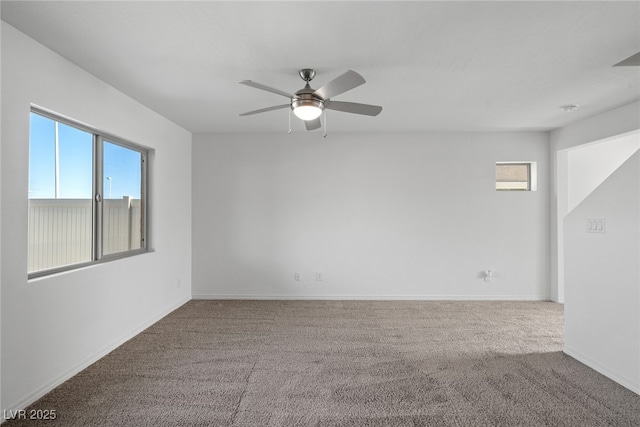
488, 275
296, 276
319, 276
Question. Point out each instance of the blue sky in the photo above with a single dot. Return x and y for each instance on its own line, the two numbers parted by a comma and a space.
75, 164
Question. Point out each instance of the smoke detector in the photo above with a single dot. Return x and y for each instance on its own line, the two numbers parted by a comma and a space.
569, 108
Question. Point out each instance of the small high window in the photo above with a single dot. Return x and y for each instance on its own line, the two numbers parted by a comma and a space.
515, 176
87, 196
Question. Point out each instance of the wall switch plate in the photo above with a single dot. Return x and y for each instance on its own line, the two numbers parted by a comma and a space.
596, 225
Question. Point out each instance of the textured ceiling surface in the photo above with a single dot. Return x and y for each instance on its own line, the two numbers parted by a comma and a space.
431, 65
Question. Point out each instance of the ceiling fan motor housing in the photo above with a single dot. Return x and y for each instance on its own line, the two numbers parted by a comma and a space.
305, 98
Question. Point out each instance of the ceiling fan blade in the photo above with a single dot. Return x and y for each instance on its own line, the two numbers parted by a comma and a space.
353, 107
632, 61
264, 110
313, 124
263, 87
340, 84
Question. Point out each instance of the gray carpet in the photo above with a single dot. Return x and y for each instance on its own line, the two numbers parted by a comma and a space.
344, 363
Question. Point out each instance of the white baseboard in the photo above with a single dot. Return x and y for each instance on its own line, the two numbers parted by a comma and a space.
629, 383
207, 296
41, 391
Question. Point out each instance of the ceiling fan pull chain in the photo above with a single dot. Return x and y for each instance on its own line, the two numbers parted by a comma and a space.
324, 135
289, 121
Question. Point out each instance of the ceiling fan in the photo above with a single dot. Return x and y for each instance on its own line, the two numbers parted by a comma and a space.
308, 103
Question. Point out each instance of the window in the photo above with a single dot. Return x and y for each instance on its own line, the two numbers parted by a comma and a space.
87, 196
516, 176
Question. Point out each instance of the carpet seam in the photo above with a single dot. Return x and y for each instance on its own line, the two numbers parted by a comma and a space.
246, 387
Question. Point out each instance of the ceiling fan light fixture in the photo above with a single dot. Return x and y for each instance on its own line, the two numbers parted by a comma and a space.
307, 109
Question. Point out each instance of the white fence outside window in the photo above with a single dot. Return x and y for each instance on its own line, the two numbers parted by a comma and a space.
60, 230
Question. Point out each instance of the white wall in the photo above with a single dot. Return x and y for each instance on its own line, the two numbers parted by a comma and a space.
52, 327
612, 123
578, 171
380, 215
602, 278
590, 164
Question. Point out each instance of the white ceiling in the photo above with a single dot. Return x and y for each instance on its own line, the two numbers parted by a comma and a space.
431, 65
